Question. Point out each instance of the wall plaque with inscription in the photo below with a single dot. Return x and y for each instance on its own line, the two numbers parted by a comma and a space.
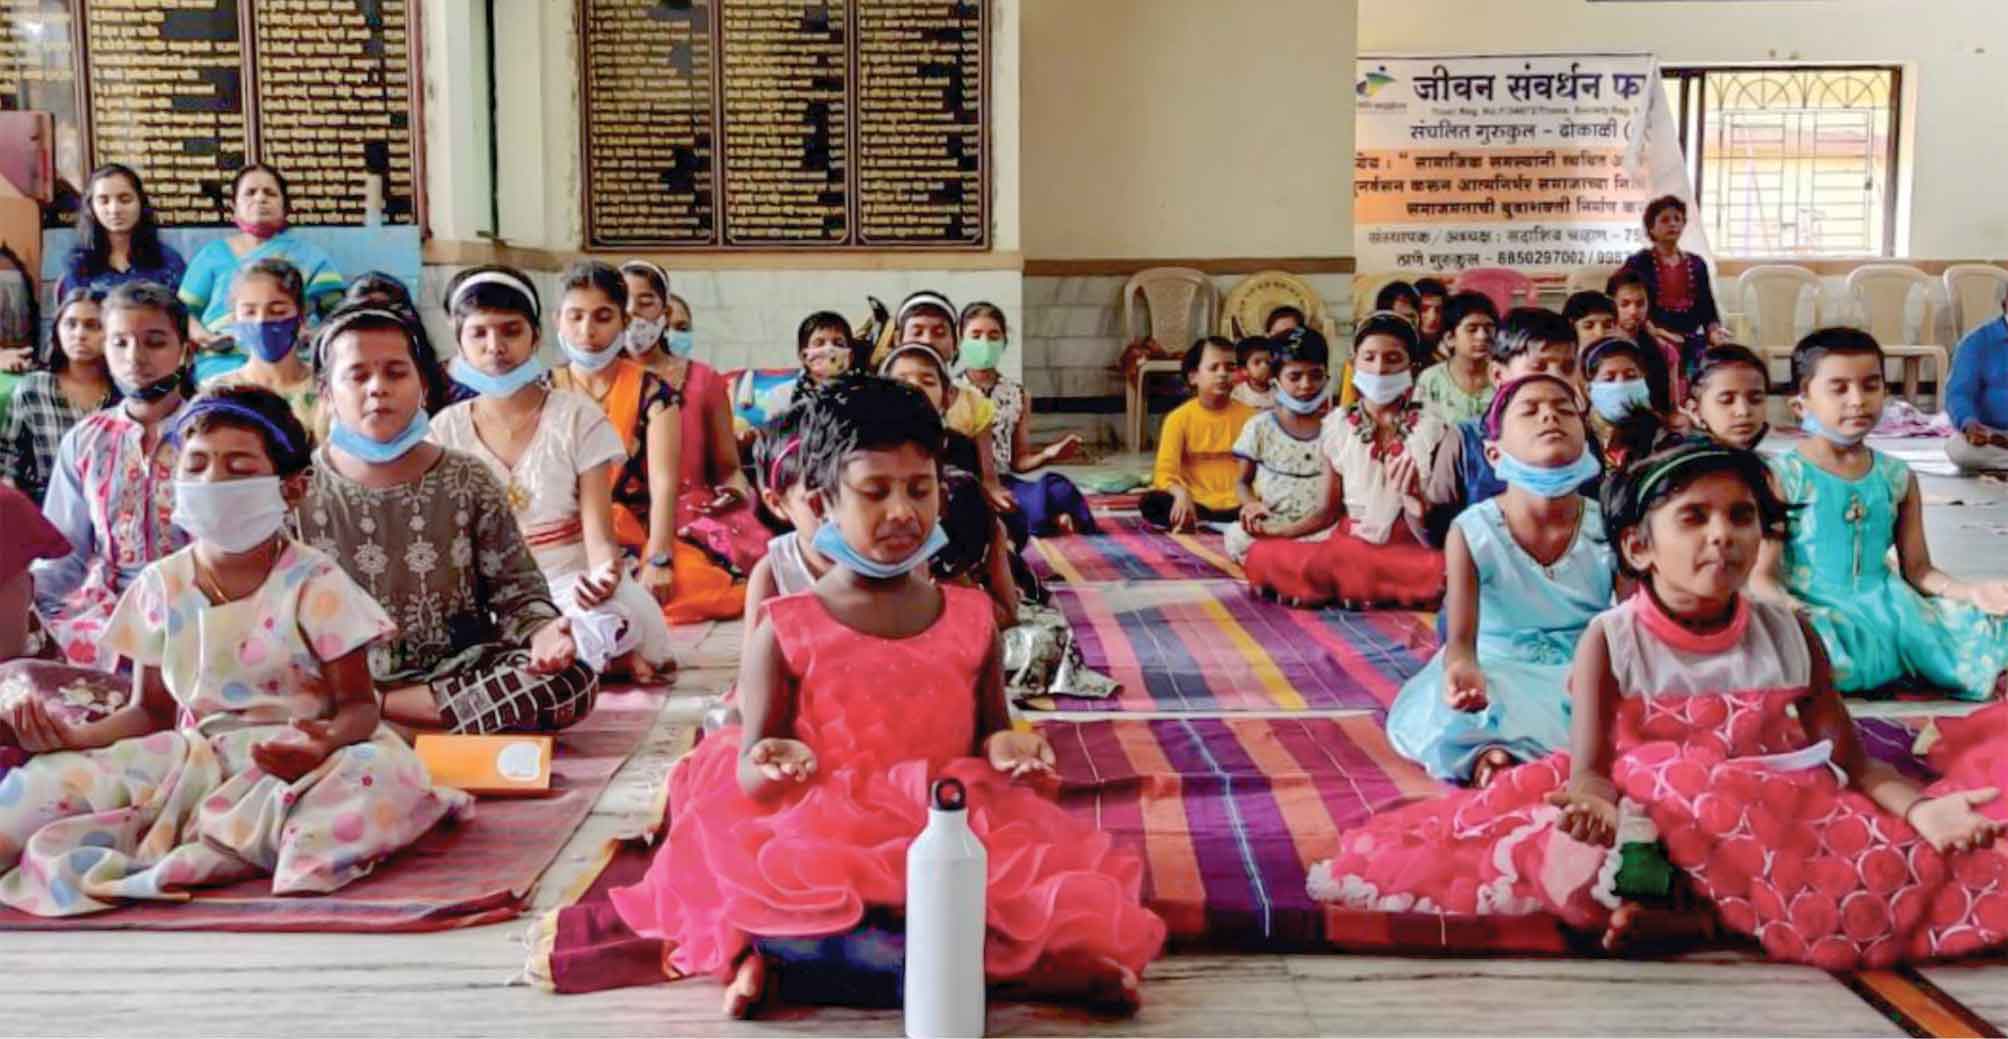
790, 124
166, 89
334, 104
186, 91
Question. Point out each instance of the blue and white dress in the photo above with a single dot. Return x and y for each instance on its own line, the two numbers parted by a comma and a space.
1529, 620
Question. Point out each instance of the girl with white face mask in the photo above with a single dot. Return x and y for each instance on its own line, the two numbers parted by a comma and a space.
557, 455
1375, 451
251, 657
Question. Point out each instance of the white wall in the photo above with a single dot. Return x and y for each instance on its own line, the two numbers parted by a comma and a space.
1161, 129
1955, 70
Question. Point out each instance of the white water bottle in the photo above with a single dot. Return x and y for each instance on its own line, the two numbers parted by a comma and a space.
946, 873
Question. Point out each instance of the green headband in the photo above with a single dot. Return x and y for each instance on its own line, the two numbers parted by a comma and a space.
1659, 473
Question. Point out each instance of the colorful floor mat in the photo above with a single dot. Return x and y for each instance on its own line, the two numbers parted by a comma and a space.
1209, 646
1128, 549
477, 872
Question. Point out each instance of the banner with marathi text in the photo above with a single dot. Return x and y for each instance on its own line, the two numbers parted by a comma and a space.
1539, 162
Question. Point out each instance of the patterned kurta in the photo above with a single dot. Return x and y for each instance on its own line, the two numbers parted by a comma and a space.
115, 503
151, 816
442, 554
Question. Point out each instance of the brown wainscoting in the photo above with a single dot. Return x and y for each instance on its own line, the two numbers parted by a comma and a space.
1217, 265
465, 254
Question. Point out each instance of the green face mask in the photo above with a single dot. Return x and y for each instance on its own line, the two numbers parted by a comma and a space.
981, 353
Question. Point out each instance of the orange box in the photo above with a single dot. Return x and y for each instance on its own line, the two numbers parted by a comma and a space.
488, 765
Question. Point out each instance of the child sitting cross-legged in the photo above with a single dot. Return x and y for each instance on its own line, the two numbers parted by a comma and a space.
253, 742
1879, 625
1282, 461
1374, 452
1714, 780
1526, 571
1195, 477
857, 695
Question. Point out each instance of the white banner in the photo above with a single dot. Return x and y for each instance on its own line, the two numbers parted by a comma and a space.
1539, 162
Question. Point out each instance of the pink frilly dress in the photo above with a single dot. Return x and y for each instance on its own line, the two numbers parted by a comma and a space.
885, 717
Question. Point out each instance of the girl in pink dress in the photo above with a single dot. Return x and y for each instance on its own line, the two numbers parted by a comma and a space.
856, 695
1706, 724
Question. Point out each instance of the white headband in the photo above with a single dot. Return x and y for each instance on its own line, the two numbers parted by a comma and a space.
912, 348
503, 278
922, 299
661, 275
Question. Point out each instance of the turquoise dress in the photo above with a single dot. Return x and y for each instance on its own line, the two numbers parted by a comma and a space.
1529, 620
205, 288
1877, 629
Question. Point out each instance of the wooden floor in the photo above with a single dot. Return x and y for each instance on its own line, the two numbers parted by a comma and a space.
468, 982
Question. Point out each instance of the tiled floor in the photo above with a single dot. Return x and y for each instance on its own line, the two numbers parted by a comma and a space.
459, 983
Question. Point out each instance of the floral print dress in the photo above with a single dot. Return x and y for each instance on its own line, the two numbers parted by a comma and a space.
151, 816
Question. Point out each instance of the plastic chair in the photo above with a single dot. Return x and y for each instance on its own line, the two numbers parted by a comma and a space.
1507, 287
1172, 305
1973, 290
1769, 294
1245, 311
1591, 279
1367, 286
1882, 291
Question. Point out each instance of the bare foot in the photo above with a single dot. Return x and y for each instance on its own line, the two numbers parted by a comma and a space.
1488, 765
748, 985
1065, 523
1098, 983
1637, 929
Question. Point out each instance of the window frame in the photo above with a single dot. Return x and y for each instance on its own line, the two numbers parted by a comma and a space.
1693, 118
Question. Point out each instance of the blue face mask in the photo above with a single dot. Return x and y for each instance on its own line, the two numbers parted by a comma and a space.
1382, 389
376, 451
1305, 407
268, 341
503, 385
829, 542
1549, 482
1614, 400
679, 342
587, 359
1811, 424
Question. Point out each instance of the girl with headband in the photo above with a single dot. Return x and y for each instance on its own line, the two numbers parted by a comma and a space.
557, 457
253, 719
1714, 781
480, 644
111, 492
1375, 451
714, 498
1525, 572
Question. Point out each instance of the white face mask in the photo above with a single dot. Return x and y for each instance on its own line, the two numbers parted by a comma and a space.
1382, 389
234, 515
642, 335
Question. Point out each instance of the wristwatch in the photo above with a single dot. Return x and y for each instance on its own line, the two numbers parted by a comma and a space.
661, 559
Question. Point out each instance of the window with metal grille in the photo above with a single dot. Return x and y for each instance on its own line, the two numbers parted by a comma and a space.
1792, 160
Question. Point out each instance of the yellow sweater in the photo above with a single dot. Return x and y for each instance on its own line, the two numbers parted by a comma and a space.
1196, 451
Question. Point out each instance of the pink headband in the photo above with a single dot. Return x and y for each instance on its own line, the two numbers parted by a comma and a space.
774, 469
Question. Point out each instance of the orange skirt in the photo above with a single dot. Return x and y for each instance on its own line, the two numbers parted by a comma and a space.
704, 590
